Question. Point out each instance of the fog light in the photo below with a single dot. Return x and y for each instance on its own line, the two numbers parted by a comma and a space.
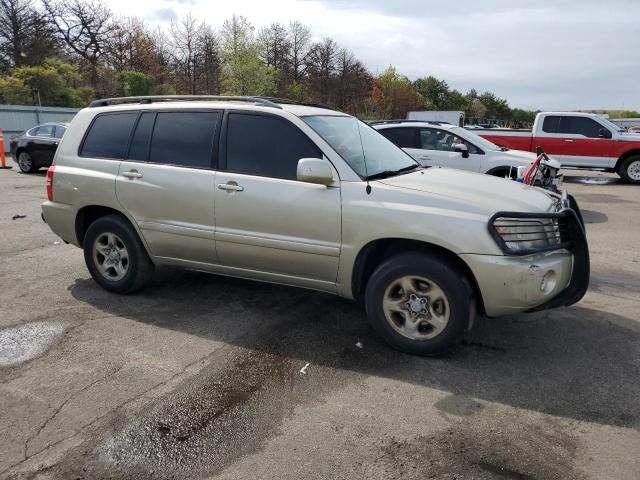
549, 281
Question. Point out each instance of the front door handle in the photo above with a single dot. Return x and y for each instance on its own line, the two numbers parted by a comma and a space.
568, 140
230, 187
131, 174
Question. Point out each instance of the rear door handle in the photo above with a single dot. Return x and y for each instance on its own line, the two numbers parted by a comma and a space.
131, 174
230, 187
568, 140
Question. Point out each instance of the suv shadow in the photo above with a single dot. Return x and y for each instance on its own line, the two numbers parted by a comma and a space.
573, 362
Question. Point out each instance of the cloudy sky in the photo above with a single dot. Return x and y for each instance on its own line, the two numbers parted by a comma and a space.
562, 54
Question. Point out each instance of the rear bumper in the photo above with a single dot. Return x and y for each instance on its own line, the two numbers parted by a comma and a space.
61, 218
511, 284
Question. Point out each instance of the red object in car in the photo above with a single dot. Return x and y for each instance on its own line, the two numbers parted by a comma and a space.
50, 173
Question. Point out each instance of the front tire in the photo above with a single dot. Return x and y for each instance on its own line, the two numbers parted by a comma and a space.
629, 170
115, 256
26, 163
419, 304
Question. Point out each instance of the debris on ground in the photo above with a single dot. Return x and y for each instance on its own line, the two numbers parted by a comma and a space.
15, 217
303, 370
359, 344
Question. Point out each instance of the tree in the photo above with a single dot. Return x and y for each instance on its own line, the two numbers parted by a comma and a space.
321, 66
395, 95
85, 26
210, 81
274, 48
136, 84
299, 37
433, 91
185, 35
52, 84
244, 73
25, 36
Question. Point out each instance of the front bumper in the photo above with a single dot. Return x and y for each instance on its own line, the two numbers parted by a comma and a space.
511, 283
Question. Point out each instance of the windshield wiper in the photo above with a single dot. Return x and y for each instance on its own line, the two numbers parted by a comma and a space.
391, 173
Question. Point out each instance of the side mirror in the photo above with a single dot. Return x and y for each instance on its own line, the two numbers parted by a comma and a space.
462, 148
604, 133
315, 170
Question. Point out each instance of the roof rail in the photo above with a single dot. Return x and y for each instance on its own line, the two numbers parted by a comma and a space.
288, 101
404, 120
104, 102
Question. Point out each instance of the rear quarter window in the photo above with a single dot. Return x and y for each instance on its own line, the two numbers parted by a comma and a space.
108, 135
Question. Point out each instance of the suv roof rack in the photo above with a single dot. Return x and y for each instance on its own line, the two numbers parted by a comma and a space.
104, 102
404, 120
288, 101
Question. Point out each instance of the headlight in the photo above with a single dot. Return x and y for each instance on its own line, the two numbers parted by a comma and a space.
519, 234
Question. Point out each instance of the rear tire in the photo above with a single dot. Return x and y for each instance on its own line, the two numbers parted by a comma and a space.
419, 304
115, 256
26, 163
629, 169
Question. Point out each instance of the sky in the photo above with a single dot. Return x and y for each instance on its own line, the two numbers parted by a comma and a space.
539, 54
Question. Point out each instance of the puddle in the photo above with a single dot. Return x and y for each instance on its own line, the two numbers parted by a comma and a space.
26, 342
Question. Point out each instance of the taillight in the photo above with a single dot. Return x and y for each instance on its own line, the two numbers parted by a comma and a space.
50, 172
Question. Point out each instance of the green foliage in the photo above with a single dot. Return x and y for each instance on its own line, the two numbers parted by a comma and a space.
394, 95
54, 82
245, 74
136, 83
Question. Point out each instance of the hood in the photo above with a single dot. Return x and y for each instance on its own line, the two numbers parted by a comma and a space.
528, 157
630, 137
481, 193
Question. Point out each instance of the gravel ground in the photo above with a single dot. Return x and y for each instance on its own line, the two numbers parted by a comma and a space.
201, 376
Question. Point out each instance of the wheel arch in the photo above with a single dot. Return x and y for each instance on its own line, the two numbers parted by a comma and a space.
624, 156
376, 251
90, 213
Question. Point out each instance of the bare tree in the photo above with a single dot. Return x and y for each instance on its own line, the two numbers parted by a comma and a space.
209, 54
321, 66
132, 47
185, 35
299, 37
25, 35
85, 26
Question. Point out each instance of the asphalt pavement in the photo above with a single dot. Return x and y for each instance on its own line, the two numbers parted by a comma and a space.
200, 376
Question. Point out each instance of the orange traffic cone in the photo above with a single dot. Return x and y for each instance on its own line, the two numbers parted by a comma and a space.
3, 160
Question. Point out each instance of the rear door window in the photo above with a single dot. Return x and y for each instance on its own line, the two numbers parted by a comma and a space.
266, 146
551, 124
46, 131
108, 135
184, 138
60, 131
402, 137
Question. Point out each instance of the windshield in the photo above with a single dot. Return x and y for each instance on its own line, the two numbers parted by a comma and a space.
357, 143
608, 123
476, 139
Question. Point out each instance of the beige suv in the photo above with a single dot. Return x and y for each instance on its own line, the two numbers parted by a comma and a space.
307, 196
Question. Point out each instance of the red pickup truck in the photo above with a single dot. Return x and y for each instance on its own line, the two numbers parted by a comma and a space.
580, 140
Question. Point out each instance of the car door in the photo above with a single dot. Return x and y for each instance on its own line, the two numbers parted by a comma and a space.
44, 144
407, 139
166, 183
438, 144
575, 141
267, 220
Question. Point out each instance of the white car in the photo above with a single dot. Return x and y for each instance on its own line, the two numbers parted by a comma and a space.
446, 145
